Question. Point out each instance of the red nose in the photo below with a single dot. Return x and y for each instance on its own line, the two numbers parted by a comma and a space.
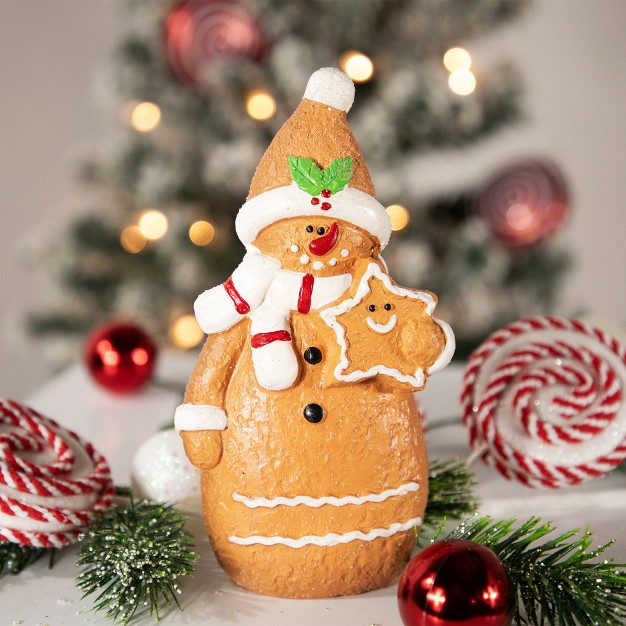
323, 245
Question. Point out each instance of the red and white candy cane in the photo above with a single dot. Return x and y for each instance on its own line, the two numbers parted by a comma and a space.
52, 483
543, 399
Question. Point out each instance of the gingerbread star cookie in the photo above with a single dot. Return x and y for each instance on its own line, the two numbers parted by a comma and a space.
386, 330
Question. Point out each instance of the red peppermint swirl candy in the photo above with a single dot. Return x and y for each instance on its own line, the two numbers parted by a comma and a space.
52, 483
199, 31
524, 203
543, 399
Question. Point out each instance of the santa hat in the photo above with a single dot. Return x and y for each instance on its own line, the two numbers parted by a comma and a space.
314, 167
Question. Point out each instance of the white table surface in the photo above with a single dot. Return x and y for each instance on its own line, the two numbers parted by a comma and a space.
117, 425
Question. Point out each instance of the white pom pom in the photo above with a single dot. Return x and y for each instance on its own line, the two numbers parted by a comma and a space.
332, 87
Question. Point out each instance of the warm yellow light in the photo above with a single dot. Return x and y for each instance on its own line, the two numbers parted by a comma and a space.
145, 117
260, 105
201, 233
132, 239
185, 332
398, 215
457, 59
462, 82
357, 66
153, 224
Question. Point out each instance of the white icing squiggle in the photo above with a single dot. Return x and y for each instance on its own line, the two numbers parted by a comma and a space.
332, 539
382, 328
270, 503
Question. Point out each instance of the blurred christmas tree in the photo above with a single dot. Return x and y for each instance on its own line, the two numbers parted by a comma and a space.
203, 86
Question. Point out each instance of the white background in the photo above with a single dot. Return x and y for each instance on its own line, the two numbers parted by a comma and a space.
572, 54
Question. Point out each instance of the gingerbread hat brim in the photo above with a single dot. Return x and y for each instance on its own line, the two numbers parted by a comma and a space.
317, 130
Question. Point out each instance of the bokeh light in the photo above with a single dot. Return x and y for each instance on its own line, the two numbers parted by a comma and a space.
462, 82
398, 215
457, 59
132, 239
145, 116
357, 66
153, 224
185, 332
260, 105
201, 233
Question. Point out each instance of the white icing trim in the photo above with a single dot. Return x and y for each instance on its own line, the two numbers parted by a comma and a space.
332, 539
383, 329
330, 317
349, 204
270, 503
199, 417
448, 351
332, 87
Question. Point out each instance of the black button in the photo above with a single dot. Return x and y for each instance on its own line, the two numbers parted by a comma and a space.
313, 413
313, 355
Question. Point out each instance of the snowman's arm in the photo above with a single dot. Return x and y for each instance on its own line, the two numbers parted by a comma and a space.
201, 418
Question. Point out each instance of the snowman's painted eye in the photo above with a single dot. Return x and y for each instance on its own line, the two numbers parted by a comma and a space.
320, 230
309, 229
371, 307
387, 307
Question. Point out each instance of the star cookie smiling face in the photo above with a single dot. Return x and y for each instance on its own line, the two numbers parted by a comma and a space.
389, 331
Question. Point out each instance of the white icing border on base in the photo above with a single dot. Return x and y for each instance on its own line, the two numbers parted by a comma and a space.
332, 539
270, 503
200, 417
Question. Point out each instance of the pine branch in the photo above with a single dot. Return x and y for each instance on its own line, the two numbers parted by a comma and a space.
450, 492
559, 581
14, 557
134, 558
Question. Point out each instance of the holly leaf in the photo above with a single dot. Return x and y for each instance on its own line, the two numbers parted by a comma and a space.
306, 174
338, 174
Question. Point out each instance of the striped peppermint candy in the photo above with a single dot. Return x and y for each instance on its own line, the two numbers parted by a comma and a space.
543, 400
52, 483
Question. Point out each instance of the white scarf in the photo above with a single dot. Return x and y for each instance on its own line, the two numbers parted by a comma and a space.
259, 289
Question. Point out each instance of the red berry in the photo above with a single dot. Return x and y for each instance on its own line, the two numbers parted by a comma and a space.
325, 206
326, 193
315, 200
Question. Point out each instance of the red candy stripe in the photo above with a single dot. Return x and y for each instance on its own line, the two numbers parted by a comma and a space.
543, 400
44, 503
241, 306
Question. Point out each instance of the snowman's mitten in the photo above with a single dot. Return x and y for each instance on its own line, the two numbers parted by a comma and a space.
203, 447
222, 307
200, 426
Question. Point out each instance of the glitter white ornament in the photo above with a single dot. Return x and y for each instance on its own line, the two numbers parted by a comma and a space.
161, 472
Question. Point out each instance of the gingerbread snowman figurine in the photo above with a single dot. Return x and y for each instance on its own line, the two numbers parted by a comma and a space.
300, 411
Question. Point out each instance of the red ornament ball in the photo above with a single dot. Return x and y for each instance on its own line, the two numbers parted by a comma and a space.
120, 357
525, 203
197, 32
456, 583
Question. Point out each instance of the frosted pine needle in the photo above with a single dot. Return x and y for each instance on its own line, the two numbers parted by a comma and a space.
134, 557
